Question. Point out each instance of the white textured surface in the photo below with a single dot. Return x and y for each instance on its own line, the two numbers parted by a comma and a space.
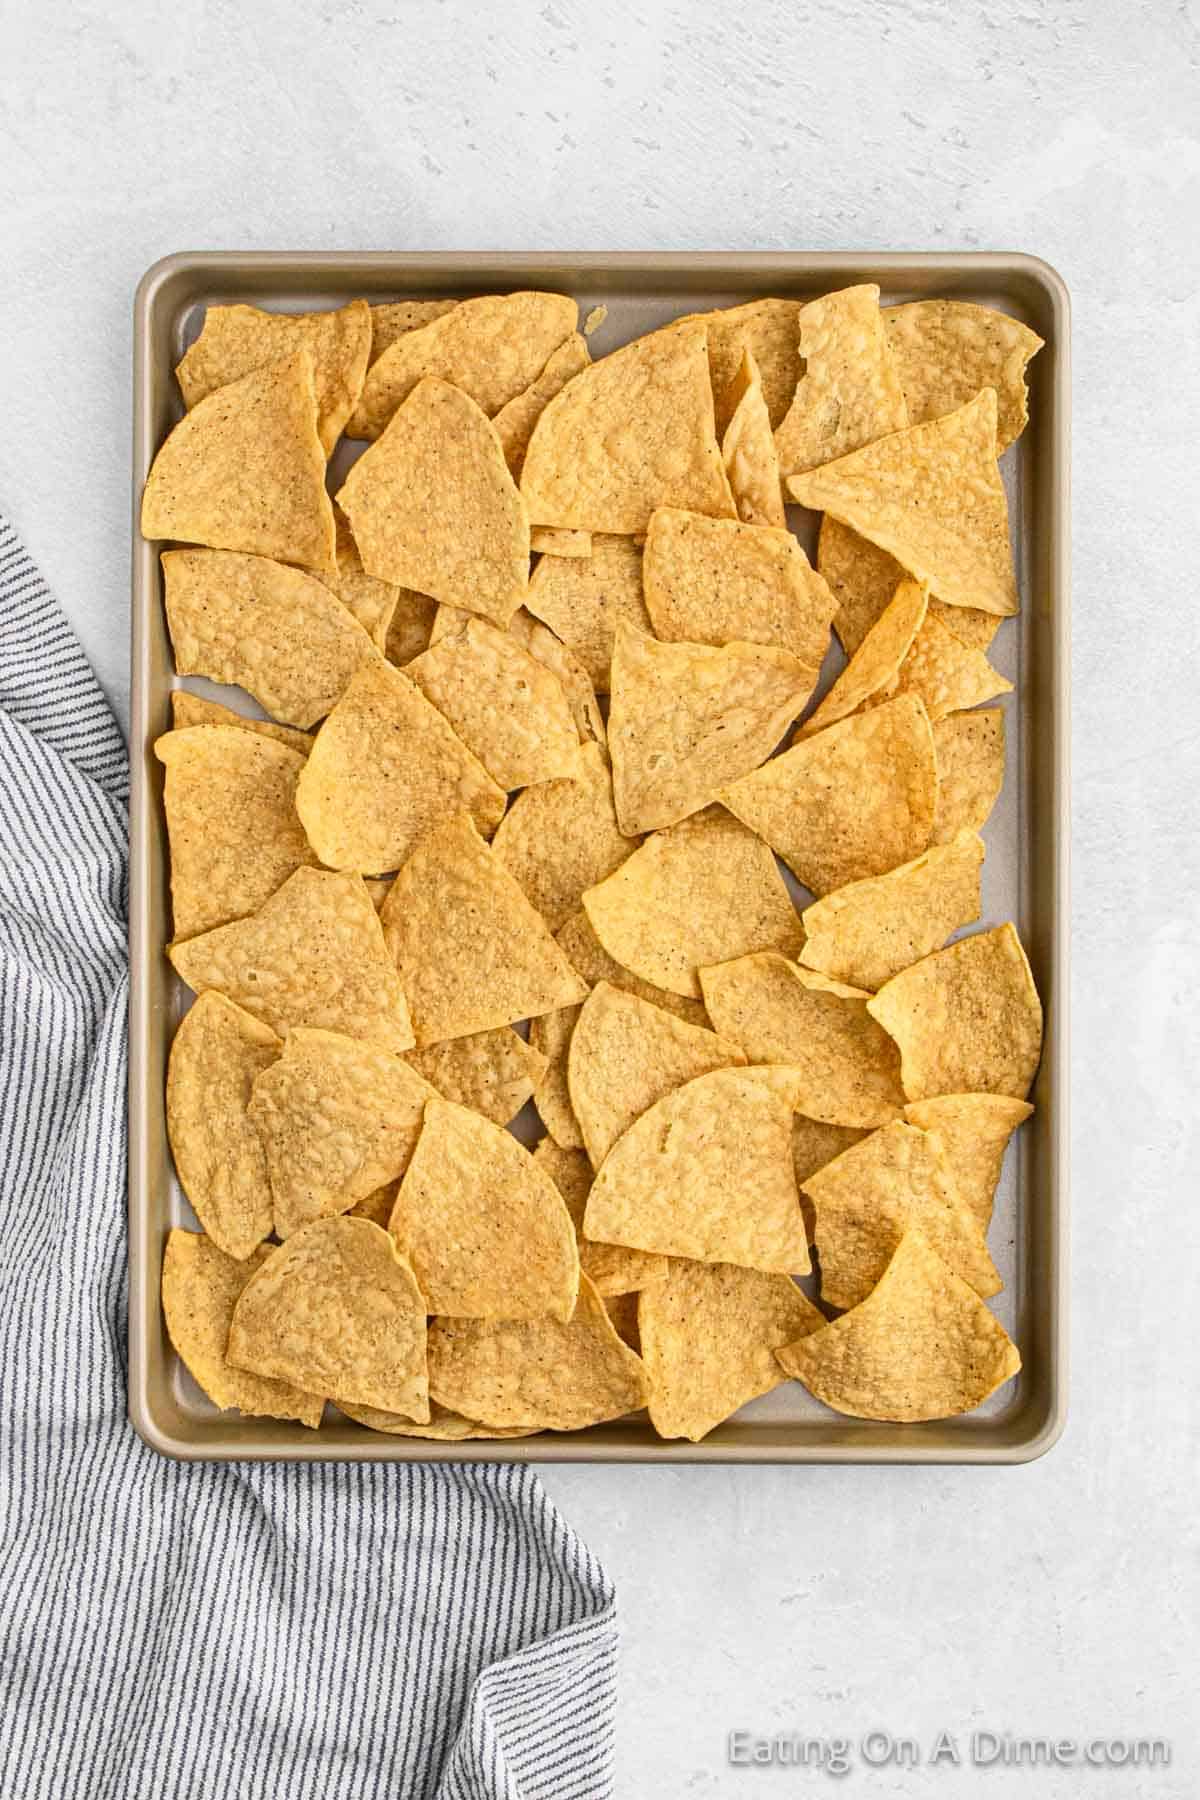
1059, 1598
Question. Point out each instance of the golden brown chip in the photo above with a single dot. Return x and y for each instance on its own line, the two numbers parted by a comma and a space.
216, 1055
189, 709
337, 1311
409, 632
444, 1426
515, 421
849, 393
846, 1067
973, 1130
706, 1173
281, 635
855, 800
230, 801
592, 961
863, 579
313, 954
582, 600
337, 1119
372, 602
967, 1019
932, 497
561, 837
813, 1145
611, 1268
594, 320
969, 747
393, 318
709, 1334
948, 675
547, 540
541, 1374
703, 892
769, 330
554, 655
238, 339
384, 771
921, 1346
471, 951
632, 432
493, 1072
748, 451
550, 1035
245, 470
201, 1285
874, 666
947, 350
867, 932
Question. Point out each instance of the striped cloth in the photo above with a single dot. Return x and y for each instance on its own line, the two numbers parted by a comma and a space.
196, 1631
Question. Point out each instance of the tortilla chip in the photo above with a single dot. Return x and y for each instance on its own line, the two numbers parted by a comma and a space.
444, 1426
946, 351
491, 349
709, 1334
863, 579
384, 771
594, 320
583, 601
433, 506
855, 800
550, 1035
849, 394
471, 951
561, 837
394, 318
230, 801
933, 498
547, 540
702, 892
967, 1019
769, 330
508, 709
867, 932
337, 1119
189, 709
592, 961
236, 340
969, 747
632, 432
245, 470
622, 1309
813, 1145
377, 1206
611, 1268
216, 1055
411, 625
921, 1346
201, 1285
748, 451
554, 655
337, 1311
485, 1228
492, 1072
372, 602
973, 1130
685, 720
717, 581
706, 1173
281, 635
540, 1374
313, 954
515, 421
875, 665
947, 674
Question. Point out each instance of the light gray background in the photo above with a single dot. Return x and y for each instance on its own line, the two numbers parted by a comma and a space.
1059, 1598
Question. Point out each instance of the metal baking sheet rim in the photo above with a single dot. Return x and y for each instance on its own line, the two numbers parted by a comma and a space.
1040, 293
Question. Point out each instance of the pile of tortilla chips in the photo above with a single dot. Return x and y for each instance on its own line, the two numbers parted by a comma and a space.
716, 937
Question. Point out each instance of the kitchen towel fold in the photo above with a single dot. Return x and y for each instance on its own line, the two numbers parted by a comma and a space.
187, 1631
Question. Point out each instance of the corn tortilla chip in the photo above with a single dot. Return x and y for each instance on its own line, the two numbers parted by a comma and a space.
583, 600
813, 1145
849, 394
876, 663
372, 602
561, 837
444, 1426
554, 655
245, 470
769, 330
550, 1035
377, 1206
594, 320
969, 747
411, 626
863, 580
973, 1130
611, 1268
393, 318
493, 1072
313, 954
216, 1055
748, 451
592, 961
921, 1346
967, 1019
547, 540
515, 421
946, 351
622, 1310
189, 709
201, 1285
337, 1311
948, 674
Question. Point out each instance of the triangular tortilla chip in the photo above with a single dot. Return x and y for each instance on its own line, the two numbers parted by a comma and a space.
592, 961
486, 1230
583, 600
948, 675
337, 1119
444, 1426
630, 433
768, 329
393, 318
932, 497
874, 666
547, 540
384, 771
551, 1037
813, 1145
969, 747
967, 1019
337, 1311
748, 451
493, 1072
685, 720
281, 635
561, 837
921, 1346
553, 654
849, 393
313, 954
709, 1334
471, 951
237, 339
973, 1130
230, 801
373, 603
702, 892
867, 932
855, 800
611, 1268
538, 1373
216, 1055
847, 1068
245, 470
706, 1173
515, 421
411, 626
201, 1285
867, 1198
190, 709
863, 579
946, 351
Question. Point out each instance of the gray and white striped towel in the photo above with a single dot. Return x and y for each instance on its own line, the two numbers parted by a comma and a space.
187, 1631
